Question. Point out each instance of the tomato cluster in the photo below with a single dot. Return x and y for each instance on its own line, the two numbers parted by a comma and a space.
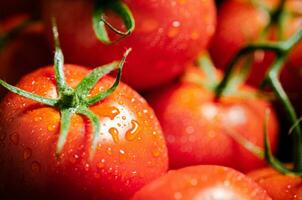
179, 126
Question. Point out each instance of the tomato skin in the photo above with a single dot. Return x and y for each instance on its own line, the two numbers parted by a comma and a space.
197, 128
25, 52
277, 185
168, 35
123, 161
202, 182
240, 23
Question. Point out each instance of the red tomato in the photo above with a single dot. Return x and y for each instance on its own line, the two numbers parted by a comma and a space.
168, 35
11, 7
240, 23
202, 182
277, 185
23, 53
131, 150
197, 127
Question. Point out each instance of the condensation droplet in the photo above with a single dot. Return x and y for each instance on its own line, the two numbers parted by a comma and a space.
132, 133
109, 151
156, 153
115, 134
35, 167
111, 112
27, 153
122, 155
14, 138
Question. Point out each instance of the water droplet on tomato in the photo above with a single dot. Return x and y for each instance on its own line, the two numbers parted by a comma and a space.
173, 32
27, 153
110, 112
132, 133
122, 155
115, 134
35, 167
156, 152
109, 151
14, 138
51, 128
36, 119
177, 195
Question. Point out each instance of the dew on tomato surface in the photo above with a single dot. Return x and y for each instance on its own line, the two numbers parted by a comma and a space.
51, 127
35, 167
111, 112
14, 138
115, 134
132, 133
27, 153
156, 152
122, 155
193, 182
109, 151
178, 195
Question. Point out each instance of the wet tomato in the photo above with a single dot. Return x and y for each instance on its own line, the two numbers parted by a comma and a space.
167, 35
241, 22
198, 128
202, 182
130, 151
277, 185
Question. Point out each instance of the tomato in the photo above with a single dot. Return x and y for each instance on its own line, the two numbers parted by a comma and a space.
241, 22
130, 152
25, 52
202, 182
168, 34
277, 185
198, 129
11, 7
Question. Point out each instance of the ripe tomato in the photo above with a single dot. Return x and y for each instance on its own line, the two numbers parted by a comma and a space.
202, 182
11, 7
198, 128
168, 34
25, 52
277, 185
131, 150
241, 22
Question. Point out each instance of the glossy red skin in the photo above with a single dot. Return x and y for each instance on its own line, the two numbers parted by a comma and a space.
30, 47
197, 128
206, 182
29, 133
240, 23
168, 35
277, 185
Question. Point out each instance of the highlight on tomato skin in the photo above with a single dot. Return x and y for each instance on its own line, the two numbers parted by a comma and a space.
198, 129
167, 35
204, 182
131, 150
277, 185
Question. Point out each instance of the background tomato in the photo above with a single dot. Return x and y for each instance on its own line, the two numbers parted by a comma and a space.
277, 185
168, 35
241, 22
202, 182
198, 128
130, 152
23, 53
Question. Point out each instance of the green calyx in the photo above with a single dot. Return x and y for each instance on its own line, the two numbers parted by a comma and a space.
100, 23
72, 101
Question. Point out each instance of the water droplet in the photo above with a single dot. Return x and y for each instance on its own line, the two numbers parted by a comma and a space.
194, 35
36, 119
177, 195
14, 138
123, 117
27, 153
156, 153
132, 133
115, 134
122, 155
35, 167
109, 151
51, 128
111, 112
176, 24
